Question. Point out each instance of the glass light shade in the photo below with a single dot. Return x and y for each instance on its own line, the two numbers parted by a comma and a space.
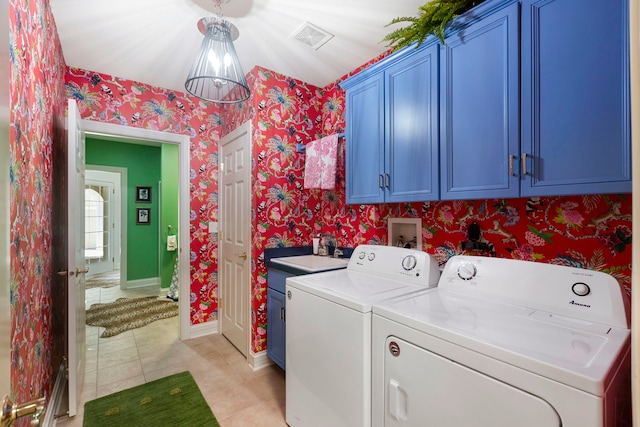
216, 74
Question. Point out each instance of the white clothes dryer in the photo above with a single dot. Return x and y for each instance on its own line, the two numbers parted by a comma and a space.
328, 329
504, 343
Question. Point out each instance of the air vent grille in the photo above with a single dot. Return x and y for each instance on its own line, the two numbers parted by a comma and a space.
311, 35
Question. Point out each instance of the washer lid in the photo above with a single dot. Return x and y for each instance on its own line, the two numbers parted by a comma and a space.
356, 290
571, 351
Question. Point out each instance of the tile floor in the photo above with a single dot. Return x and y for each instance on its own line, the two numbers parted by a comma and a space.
237, 395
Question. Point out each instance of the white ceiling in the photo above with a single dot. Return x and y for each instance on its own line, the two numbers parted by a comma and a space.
155, 41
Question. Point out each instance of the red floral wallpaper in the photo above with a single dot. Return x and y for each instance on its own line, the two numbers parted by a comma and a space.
36, 115
584, 231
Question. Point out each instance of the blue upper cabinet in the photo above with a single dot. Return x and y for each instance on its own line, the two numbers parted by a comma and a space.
365, 140
575, 97
480, 105
392, 129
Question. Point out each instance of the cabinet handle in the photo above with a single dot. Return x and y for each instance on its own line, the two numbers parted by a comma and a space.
524, 163
511, 157
282, 315
381, 181
387, 181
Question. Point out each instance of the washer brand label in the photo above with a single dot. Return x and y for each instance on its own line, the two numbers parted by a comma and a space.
573, 302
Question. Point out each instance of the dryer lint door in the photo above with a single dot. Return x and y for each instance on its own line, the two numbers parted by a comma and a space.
425, 389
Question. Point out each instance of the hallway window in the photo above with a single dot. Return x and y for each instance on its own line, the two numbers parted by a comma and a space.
96, 222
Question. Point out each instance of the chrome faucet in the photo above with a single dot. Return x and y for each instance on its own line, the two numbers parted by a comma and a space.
329, 240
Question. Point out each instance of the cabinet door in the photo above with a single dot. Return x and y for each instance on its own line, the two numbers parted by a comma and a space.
365, 141
411, 127
575, 97
276, 327
479, 108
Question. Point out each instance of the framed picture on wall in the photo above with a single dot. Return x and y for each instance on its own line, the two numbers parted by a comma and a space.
143, 216
143, 194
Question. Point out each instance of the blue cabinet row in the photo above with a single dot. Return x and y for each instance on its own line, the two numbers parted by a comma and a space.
524, 98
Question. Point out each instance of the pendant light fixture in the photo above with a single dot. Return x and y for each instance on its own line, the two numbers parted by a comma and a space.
216, 75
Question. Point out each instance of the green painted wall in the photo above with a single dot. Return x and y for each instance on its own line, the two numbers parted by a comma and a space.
169, 204
143, 164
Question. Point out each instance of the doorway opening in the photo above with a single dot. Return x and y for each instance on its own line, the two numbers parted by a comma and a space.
144, 137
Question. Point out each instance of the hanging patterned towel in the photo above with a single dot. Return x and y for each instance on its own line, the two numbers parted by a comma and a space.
320, 163
172, 243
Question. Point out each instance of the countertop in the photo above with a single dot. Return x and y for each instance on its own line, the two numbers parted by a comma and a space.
311, 263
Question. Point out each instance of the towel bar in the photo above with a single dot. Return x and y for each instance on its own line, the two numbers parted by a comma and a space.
301, 147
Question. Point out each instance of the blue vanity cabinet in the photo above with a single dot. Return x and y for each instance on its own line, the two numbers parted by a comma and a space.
480, 105
575, 97
276, 315
392, 129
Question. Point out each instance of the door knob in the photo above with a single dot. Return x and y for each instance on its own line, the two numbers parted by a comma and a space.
243, 255
73, 273
12, 411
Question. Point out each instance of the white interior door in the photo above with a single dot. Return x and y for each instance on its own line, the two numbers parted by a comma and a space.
76, 267
102, 221
235, 238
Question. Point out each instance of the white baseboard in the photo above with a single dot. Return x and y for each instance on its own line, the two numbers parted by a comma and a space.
141, 283
202, 329
56, 399
258, 361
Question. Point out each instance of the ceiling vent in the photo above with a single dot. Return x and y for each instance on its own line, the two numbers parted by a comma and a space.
311, 35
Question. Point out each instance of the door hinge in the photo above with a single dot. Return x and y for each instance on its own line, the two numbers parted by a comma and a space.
219, 303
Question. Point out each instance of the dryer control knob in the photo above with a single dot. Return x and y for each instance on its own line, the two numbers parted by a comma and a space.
362, 255
467, 271
581, 289
372, 256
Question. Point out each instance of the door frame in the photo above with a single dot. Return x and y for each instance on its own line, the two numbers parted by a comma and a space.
155, 138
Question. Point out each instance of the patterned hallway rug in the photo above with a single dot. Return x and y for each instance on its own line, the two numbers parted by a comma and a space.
129, 313
171, 401
103, 280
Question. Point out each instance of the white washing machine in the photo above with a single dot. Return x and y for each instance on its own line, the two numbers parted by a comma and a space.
504, 343
328, 329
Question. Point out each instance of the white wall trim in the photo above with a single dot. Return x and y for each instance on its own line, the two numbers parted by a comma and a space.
203, 329
142, 283
57, 396
152, 137
259, 360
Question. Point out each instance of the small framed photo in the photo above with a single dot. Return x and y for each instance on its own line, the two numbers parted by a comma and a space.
143, 216
143, 194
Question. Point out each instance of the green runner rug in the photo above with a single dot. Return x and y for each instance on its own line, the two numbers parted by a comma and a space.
171, 401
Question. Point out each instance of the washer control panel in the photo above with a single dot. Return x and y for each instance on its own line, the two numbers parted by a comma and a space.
396, 263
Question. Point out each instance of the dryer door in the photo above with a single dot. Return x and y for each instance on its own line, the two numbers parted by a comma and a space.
423, 389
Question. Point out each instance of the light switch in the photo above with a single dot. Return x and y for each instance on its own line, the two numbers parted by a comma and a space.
213, 226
